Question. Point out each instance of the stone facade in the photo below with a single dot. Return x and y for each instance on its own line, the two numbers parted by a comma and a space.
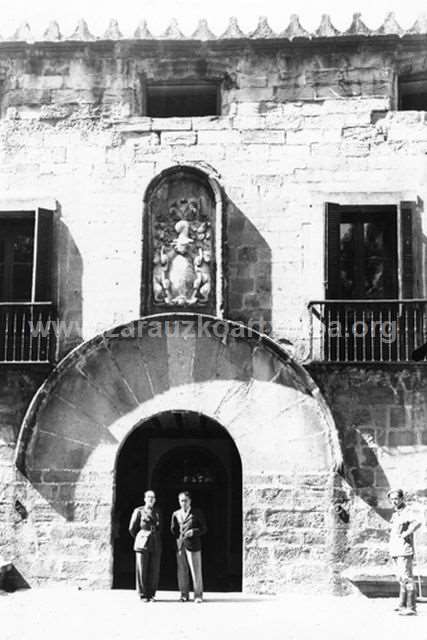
302, 123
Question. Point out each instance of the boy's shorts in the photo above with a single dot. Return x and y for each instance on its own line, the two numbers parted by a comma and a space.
403, 568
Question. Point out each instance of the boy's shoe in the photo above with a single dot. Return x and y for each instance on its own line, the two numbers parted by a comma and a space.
411, 604
402, 599
184, 599
408, 612
198, 600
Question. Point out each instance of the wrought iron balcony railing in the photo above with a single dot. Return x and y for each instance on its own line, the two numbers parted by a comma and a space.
27, 332
367, 330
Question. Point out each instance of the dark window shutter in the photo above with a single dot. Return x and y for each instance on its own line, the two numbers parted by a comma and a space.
332, 250
42, 256
407, 217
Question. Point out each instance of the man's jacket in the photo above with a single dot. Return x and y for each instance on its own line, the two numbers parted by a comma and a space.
188, 528
144, 527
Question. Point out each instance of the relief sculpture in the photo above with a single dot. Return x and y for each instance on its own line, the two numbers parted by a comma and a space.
182, 254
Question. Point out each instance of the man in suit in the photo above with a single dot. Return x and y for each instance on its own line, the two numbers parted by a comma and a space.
187, 526
144, 527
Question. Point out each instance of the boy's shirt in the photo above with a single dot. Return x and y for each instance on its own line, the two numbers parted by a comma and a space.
400, 521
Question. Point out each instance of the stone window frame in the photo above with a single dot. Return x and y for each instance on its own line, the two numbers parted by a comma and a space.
211, 180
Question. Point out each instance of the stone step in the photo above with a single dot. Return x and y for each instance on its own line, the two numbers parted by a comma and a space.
380, 582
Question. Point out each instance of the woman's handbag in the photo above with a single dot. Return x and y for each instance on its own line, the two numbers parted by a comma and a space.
142, 539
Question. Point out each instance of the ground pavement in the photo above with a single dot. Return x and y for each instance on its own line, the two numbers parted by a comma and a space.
69, 614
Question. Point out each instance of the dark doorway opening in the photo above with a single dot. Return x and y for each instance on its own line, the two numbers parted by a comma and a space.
171, 452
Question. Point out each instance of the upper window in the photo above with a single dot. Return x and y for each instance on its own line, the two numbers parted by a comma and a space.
362, 253
413, 92
374, 262
25, 256
25, 286
16, 260
165, 100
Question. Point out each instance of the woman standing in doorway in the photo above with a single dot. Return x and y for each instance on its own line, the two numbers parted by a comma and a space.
144, 527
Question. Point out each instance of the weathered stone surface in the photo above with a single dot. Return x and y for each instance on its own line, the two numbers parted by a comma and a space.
300, 130
184, 138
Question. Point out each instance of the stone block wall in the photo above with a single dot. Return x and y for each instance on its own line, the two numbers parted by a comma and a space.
274, 187
57, 80
17, 388
301, 124
380, 413
289, 531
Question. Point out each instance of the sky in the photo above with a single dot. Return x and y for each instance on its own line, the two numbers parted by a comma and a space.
159, 12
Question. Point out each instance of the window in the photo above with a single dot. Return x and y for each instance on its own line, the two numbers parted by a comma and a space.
25, 238
25, 291
412, 92
362, 253
164, 100
373, 276
16, 260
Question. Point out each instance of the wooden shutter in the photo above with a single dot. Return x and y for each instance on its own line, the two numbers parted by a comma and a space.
332, 250
407, 271
42, 256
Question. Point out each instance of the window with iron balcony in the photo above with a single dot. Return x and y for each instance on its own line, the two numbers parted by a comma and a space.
374, 308
26, 308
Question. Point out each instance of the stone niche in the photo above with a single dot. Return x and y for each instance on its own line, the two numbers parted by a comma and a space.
182, 243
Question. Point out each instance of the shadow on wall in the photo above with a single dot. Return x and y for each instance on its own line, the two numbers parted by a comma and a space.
364, 473
11, 580
361, 530
352, 398
247, 269
360, 533
67, 285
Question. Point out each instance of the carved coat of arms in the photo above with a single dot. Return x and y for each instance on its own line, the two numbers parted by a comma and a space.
182, 254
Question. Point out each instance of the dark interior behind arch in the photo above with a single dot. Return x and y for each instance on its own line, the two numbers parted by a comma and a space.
177, 451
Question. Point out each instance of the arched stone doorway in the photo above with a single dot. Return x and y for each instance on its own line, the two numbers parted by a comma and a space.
94, 399
171, 452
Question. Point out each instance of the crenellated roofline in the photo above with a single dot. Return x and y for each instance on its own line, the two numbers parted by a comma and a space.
263, 31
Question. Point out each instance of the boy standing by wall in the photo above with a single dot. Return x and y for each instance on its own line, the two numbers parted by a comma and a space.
403, 525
